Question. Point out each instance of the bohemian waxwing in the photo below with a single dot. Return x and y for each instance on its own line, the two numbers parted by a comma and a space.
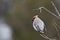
38, 24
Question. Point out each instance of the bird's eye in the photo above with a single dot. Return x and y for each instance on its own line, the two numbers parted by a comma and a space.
33, 18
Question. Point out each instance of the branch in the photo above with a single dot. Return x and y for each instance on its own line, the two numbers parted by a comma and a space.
49, 12
55, 8
46, 37
57, 32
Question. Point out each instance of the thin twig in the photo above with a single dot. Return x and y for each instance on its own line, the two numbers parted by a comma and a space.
57, 32
58, 26
46, 37
49, 12
55, 8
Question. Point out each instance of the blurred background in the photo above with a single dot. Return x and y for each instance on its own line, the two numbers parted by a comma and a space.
20, 18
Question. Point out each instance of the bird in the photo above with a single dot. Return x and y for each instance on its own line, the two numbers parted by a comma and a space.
38, 24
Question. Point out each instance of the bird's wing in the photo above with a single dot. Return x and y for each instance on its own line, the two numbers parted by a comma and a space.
41, 24
36, 26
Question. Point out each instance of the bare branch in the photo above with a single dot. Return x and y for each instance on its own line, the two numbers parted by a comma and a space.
49, 12
40, 8
57, 31
46, 37
55, 8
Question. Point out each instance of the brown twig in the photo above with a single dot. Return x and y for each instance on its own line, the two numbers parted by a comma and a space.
46, 37
57, 31
55, 8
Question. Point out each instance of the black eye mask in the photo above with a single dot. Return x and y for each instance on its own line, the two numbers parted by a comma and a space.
33, 19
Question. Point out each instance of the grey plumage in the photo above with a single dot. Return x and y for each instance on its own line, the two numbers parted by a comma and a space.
38, 24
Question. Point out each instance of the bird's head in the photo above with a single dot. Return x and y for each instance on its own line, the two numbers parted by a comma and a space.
34, 17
